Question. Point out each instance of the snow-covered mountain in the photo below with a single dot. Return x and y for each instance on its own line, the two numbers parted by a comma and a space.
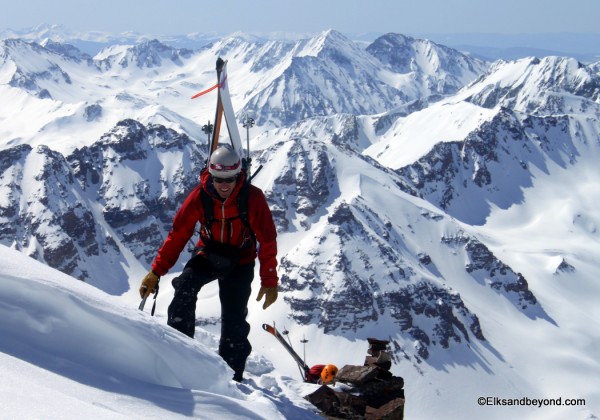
151, 82
439, 70
75, 213
91, 42
421, 196
530, 114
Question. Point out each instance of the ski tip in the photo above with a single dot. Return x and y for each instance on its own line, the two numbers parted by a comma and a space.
269, 328
220, 63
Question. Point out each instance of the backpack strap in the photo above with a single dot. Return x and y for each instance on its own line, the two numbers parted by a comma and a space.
209, 213
243, 198
242, 201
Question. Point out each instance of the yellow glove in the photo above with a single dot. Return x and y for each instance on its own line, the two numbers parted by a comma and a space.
148, 284
270, 294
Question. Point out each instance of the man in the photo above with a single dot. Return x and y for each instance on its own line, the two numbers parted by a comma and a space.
226, 251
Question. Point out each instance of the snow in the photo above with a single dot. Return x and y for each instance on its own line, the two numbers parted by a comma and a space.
69, 350
410, 138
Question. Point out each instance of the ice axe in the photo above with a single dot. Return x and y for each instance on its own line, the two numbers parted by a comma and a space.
143, 302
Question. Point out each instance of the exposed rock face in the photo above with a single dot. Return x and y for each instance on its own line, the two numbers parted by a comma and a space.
43, 212
125, 170
303, 185
492, 165
336, 294
501, 276
101, 200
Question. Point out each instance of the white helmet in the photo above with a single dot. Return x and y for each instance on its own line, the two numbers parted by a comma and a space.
224, 162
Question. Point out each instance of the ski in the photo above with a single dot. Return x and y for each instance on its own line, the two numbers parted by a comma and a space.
301, 364
227, 106
224, 109
214, 142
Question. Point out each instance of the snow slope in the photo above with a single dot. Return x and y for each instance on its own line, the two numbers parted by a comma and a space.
70, 351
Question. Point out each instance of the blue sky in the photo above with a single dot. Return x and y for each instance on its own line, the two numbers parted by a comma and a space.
415, 17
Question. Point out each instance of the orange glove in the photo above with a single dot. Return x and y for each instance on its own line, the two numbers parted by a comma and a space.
270, 294
149, 284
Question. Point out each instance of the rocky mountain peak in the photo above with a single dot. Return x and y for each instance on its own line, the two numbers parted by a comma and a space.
443, 70
145, 55
66, 50
537, 85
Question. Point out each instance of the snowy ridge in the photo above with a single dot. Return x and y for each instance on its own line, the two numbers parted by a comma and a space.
77, 347
552, 85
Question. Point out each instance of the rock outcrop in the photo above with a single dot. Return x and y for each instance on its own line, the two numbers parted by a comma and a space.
366, 392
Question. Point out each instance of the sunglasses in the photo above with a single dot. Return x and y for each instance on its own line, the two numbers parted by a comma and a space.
224, 180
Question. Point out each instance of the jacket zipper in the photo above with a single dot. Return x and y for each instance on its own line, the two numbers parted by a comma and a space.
223, 220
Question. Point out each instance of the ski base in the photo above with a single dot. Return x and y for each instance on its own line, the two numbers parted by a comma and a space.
301, 364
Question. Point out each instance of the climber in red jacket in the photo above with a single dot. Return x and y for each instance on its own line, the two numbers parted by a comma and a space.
226, 251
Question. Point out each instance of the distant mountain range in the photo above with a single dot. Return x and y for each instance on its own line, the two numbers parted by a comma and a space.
582, 46
487, 46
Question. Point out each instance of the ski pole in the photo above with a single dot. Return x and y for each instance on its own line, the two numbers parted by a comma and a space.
248, 124
287, 335
304, 341
207, 129
302, 366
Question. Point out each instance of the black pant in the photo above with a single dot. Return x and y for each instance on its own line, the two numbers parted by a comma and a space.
234, 292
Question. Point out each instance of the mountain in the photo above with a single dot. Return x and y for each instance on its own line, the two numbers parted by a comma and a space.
150, 81
531, 116
76, 212
508, 47
326, 75
330, 74
420, 196
493, 46
350, 224
92, 42
438, 69
149, 54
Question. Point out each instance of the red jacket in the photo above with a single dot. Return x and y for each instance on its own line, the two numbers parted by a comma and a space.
226, 228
